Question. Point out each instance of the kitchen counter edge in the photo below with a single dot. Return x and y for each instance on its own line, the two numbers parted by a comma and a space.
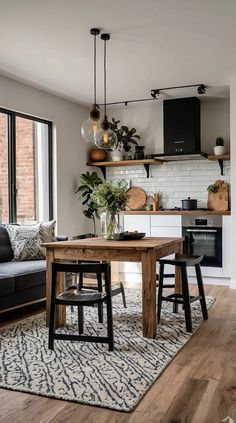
181, 212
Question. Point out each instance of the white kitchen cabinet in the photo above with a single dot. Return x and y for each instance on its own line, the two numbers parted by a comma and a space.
169, 226
141, 223
166, 220
226, 246
159, 226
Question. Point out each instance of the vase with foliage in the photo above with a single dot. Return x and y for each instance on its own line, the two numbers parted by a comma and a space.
89, 182
126, 137
112, 197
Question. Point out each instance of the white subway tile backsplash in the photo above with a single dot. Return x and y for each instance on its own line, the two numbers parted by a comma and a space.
175, 180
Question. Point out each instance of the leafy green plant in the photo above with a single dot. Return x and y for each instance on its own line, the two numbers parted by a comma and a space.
125, 136
89, 182
111, 195
219, 141
212, 188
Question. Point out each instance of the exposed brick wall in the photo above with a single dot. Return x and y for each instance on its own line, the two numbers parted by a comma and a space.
3, 169
25, 175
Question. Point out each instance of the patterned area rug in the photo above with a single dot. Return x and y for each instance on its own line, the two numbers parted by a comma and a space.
88, 373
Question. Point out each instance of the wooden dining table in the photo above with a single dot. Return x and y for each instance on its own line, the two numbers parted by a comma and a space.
147, 251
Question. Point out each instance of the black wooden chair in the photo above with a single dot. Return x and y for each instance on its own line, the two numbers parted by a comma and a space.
81, 299
115, 289
183, 261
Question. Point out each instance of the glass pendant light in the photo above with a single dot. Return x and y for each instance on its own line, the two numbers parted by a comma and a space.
105, 138
91, 126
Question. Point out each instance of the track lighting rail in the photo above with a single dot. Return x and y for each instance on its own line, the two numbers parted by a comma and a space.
155, 93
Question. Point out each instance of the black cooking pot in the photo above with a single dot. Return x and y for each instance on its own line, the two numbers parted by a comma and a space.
189, 204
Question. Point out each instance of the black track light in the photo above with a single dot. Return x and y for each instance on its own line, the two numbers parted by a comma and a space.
155, 93
201, 89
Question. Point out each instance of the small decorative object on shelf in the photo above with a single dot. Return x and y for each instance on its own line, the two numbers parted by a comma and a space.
219, 148
118, 154
156, 199
113, 198
97, 155
139, 153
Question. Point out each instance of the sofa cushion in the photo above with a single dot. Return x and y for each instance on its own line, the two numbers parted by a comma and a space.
6, 252
26, 242
47, 231
7, 285
26, 273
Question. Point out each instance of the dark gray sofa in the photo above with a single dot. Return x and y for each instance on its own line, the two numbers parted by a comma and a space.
21, 282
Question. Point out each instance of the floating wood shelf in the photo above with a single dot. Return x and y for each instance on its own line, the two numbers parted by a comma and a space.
145, 162
220, 160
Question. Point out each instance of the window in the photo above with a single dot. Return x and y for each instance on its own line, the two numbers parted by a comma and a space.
25, 168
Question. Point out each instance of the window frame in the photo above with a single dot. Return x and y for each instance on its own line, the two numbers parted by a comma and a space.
11, 120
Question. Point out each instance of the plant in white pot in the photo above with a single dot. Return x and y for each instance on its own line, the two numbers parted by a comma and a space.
126, 139
219, 148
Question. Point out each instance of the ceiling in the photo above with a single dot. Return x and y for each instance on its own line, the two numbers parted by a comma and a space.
154, 44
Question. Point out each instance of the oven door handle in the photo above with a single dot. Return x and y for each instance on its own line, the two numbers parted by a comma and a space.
202, 230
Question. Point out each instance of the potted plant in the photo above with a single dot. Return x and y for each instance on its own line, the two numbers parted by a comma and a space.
126, 137
89, 182
219, 148
112, 197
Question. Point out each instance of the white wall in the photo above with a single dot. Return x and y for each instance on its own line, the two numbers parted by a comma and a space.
148, 121
232, 247
70, 151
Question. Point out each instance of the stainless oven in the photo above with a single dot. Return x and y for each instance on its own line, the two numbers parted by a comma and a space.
203, 235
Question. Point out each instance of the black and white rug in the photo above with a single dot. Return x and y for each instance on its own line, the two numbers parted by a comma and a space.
88, 373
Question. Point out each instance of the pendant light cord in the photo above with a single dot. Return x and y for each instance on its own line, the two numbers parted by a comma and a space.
95, 69
105, 77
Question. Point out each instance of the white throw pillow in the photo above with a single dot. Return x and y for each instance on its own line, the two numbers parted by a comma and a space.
47, 231
26, 242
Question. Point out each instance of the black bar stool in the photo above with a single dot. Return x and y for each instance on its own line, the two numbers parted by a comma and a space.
183, 261
81, 299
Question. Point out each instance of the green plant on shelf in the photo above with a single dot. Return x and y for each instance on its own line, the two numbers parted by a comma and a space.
219, 141
126, 137
212, 188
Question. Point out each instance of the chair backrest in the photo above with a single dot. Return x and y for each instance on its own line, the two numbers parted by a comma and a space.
102, 268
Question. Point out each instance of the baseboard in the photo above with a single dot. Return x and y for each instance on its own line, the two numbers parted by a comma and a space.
137, 277
232, 284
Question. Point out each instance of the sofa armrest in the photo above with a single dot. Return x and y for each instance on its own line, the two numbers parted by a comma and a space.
61, 238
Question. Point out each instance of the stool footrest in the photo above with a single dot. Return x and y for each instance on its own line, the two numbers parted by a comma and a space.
178, 298
85, 338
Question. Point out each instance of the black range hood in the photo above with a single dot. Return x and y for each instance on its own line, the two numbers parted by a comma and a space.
181, 118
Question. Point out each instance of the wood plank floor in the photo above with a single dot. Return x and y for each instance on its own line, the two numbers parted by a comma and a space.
199, 386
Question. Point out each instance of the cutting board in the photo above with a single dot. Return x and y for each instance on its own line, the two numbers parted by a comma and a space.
136, 198
219, 201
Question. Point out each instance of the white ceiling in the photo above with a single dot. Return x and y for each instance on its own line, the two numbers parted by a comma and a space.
154, 44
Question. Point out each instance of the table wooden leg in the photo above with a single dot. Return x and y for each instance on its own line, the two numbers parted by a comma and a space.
49, 260
149, 294
61, 310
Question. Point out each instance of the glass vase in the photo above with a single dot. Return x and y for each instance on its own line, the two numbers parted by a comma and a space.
110, 225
